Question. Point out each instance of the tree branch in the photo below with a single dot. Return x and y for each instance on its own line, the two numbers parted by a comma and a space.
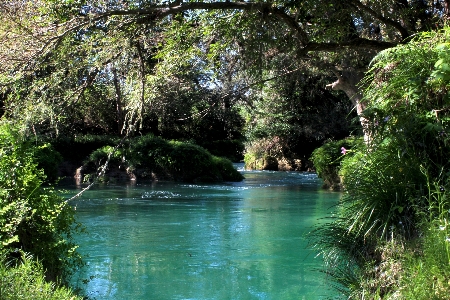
158, 12
403, 32
359, 43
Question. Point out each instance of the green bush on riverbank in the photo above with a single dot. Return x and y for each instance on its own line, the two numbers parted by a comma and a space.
33, 219
327, 160
389, 237
181, 161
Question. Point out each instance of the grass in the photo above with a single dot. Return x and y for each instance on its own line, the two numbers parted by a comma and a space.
26, 280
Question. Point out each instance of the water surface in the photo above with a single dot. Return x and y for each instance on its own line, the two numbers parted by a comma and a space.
241, 240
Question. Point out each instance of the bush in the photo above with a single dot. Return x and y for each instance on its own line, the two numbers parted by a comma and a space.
187, 162
327, 160
148, 151
173, 160
101, 155
226, 169
33, 219
380, 188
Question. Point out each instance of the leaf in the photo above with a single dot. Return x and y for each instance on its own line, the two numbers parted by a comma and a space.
438, 63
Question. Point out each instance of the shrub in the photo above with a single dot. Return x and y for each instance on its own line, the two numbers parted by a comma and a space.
327, 160
33, 219
188, 161
48, 159
101, 155
380, 188
169, 159
226, 169
148, 151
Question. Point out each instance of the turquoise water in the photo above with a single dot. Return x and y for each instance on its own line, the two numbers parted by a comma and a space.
241, 240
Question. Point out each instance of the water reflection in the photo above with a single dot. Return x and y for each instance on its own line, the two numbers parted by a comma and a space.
179, 241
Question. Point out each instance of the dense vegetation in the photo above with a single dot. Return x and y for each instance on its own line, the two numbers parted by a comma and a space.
26, 280
35, 223
187, 70
222, 75
389, 236
152, 157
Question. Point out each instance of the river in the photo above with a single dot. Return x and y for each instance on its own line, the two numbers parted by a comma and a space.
163, 240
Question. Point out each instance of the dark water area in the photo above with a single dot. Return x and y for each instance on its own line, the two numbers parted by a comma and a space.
165, 240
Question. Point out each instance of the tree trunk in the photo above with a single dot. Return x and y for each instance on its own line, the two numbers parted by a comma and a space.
347, 81
119, 109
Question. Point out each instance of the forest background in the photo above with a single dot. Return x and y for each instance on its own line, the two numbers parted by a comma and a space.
271, 79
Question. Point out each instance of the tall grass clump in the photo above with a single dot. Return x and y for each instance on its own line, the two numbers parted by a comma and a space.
389, 236
24, 278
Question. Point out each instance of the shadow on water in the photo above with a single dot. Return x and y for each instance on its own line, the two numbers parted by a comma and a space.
165, 240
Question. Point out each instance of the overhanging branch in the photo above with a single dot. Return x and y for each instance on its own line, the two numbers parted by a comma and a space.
403, 32
359, 43
158, 12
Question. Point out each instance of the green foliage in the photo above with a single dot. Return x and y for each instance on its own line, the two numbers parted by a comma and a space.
327, 159
25, 279
48, 159
380, 188
426, 267
101, 155
395, 195
95, 74
33, 219
225, 169
187, 161
426, 272
149, 151
173, 160
297, 110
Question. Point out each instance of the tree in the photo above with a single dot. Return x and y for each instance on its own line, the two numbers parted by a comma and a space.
295, 115
52, 51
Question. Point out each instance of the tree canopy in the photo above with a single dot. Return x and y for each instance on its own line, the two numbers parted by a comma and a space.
56, 55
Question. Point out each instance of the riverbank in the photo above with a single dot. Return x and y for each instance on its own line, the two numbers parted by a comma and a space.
389, 237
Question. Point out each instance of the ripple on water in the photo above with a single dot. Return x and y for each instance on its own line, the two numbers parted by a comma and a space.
160, 195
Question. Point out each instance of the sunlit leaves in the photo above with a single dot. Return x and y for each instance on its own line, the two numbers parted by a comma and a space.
33, 218
66, 46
